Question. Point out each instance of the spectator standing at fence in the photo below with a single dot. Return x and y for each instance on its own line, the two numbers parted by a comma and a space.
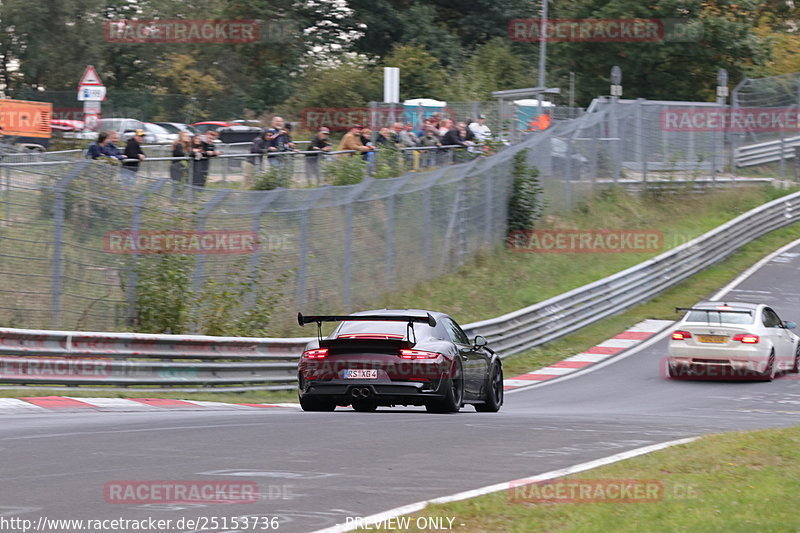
384, 138
133, 151
352, 140
255, 163
202, 150
95, 150
319, 144
445, 126
181, 147
480, 130
110, 148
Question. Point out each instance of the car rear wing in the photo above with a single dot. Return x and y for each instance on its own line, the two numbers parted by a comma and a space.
706, 310
303, 320
408, 319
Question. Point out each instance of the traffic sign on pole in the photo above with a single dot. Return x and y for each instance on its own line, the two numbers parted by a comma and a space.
92, 92
90, 77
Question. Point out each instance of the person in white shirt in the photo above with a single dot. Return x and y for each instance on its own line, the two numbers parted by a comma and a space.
481, 130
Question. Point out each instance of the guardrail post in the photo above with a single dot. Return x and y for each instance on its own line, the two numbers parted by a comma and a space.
59, 215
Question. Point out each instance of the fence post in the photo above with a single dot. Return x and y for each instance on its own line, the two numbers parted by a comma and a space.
640, 139
401, 182
255, 258
348, 242
202, 216
615, 135
59, 216
302, 267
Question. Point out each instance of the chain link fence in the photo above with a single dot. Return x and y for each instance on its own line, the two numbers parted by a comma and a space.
338, 247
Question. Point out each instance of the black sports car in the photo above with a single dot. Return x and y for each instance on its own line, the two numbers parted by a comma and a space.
398, 357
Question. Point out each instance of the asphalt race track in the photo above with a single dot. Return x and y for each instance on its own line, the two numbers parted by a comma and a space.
316, 469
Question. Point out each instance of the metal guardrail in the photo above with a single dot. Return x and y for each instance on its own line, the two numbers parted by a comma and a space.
766, 152
217, 363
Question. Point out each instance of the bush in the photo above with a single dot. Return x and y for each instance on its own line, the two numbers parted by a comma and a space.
275, 177
346, 170
526, 204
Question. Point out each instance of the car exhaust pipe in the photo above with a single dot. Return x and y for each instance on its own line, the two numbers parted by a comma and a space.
360, 392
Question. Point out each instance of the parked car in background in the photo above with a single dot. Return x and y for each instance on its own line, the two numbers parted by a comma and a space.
72, 129
211, 125
123, 126
176, 127
155, 134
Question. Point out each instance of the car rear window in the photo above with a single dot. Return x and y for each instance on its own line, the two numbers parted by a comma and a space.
720, 317
387, 327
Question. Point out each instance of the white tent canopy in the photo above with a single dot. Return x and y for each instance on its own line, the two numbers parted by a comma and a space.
424, 102
533, 102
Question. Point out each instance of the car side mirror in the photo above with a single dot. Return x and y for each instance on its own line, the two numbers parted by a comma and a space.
789, 324
480, 341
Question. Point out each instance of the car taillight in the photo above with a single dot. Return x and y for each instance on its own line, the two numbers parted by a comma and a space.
417, 354
746, 338
317, 353
681, 335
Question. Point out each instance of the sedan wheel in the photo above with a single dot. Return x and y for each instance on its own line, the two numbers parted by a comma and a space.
365, 407
769, 372
494, 391
315, 404
796, 367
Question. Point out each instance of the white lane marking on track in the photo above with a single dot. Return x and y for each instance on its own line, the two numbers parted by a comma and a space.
552, 371
582, 467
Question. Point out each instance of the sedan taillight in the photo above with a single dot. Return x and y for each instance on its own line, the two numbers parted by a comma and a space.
681, 335
418, 354
746, 338
317, 353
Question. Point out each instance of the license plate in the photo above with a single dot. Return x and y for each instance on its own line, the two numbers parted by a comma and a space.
360, 374
714, 339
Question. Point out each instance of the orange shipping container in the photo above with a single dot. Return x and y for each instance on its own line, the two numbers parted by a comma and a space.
26, 122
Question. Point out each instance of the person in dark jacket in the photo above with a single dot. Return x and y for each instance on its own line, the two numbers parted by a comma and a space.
202, 150
320, 143
133, 151
95, 150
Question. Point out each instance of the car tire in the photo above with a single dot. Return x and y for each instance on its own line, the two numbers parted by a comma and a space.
454, 394
494, 391
365, 407
316, 404
796, 368
769, 372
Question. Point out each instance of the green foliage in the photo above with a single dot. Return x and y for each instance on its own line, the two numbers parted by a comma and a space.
239, 303
274, 177
525, 205
163, 292
346, 170
354, 83
389, 162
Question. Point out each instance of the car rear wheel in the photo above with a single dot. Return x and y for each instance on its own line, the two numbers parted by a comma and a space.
494, 391
454, 393
769, 371
796, 367
365, 407
315, 404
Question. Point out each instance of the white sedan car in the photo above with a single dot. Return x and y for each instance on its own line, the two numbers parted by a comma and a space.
732, 340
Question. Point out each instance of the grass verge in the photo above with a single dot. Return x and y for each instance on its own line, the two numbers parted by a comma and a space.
745, 481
